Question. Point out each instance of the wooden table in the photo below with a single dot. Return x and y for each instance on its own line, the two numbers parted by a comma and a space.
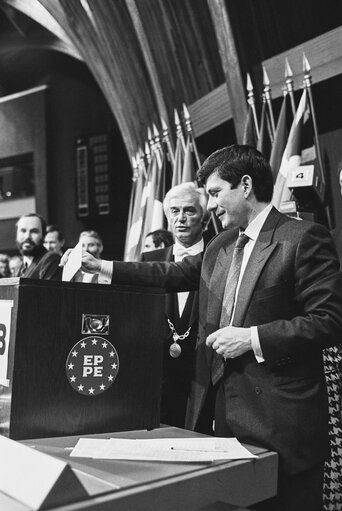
157, 486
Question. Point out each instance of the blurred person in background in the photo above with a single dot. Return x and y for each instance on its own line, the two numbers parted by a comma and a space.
161, 238
54, 239
4, 266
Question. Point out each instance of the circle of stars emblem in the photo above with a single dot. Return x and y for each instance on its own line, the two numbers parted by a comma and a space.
92, 365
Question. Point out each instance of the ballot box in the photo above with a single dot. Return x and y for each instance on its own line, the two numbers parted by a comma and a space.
78, 358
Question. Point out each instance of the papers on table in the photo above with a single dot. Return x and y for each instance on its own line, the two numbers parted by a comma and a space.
73, 264
189, 450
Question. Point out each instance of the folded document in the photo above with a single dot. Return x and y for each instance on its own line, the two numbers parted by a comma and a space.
189, 450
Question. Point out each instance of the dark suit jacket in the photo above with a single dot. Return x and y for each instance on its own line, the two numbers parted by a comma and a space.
177, 372
44, 266
292, 291
337, 237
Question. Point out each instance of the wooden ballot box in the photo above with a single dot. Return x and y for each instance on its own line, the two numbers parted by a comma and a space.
78, 358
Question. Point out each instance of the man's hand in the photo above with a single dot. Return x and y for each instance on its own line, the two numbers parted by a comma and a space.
231, 341
89, 263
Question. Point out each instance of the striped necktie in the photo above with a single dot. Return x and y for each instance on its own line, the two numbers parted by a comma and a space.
217, 366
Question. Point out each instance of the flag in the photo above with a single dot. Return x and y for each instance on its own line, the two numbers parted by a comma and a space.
250, 132
190, 165
300, 149
133, 237
265, 139
280, 137
178, 165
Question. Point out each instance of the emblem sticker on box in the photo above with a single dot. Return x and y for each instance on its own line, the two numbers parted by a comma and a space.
92, 365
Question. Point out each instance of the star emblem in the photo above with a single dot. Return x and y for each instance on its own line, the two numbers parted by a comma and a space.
92, 365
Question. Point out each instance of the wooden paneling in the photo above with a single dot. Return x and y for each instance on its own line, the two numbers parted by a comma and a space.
211, 110
324, 54
230, 63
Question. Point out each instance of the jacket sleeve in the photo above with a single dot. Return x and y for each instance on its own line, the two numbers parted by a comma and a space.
317, 298
49, 267
181, 276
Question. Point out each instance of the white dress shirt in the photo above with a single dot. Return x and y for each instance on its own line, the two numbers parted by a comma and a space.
252, 231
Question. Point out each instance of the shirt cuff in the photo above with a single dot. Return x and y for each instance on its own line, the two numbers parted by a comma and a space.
106, 272
256, 345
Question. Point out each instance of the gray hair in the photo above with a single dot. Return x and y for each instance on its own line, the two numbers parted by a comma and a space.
188, 188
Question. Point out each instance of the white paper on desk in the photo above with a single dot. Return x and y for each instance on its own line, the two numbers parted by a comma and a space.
89, 447
190, 450
73, 264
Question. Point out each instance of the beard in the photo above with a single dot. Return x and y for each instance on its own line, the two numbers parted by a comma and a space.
31, 248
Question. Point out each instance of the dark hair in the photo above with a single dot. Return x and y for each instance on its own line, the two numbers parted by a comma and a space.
161, 236
42, 221
233, 162
55, 228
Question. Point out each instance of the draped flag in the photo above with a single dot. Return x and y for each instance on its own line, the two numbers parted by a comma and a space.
152, 206
179, 162
265, 139
250, 132
134, 231
297, 151
280, 137
190, 165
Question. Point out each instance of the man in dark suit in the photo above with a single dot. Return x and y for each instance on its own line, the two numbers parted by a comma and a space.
37, 262
185, 207
271, 389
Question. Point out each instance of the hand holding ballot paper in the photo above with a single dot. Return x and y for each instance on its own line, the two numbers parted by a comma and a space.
181, 450
75, 259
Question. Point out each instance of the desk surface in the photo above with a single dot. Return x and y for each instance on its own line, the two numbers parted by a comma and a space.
149, 486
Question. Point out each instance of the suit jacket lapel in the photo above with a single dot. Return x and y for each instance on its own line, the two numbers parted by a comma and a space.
261, 252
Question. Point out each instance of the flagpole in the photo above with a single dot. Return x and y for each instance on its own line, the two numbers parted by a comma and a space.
188, 126
179, 131
167, 140
289, 85
268, 99
251, 102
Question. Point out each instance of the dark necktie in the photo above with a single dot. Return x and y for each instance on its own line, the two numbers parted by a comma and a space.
23, 269
217, 366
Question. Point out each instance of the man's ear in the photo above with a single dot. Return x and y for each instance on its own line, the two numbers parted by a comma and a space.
247, 185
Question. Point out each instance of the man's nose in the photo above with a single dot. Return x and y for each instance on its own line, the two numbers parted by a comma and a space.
211, 204
182, 216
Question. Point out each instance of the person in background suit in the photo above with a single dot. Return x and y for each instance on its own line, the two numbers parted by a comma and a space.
91, 243
160, 238
185, 207
260, 352
37, 262
54, 239
14, 263
4, 266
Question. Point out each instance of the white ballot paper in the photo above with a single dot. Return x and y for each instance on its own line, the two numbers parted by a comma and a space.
73, 264
188, 450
